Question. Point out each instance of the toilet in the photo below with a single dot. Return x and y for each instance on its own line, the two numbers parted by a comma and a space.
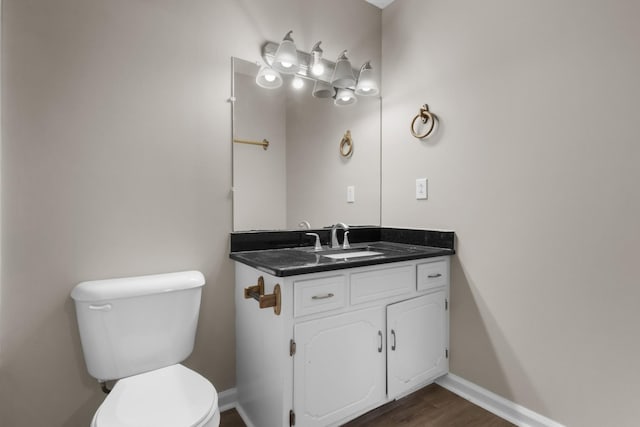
137, 330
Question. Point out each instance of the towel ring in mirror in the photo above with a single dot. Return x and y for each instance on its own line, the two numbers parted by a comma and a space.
346, 145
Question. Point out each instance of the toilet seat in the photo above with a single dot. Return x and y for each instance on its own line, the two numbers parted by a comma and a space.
174, 396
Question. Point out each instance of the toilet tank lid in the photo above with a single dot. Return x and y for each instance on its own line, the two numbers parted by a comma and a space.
127, 287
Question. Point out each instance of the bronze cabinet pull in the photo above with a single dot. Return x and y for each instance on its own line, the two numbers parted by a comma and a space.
325, 296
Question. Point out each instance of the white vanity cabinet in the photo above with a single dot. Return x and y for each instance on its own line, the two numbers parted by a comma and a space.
417, 342
339, 366
345, 341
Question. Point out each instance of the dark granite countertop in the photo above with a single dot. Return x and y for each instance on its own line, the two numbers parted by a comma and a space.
290, 261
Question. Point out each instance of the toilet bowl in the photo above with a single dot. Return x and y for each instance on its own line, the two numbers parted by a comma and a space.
136, 330
174, 396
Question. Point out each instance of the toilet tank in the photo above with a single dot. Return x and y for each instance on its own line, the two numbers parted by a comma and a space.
137, 324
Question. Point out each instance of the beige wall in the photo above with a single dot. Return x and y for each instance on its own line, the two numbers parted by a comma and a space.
535, 167
116, 160
318, 176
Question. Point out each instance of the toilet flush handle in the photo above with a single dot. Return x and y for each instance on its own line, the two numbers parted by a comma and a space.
101, 307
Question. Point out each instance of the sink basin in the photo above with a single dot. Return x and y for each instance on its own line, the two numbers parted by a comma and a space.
355, 254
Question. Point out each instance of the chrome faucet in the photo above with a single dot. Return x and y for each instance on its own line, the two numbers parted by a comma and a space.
334, 235
305, 225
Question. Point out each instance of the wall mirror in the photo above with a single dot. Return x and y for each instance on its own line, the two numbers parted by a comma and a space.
303, 173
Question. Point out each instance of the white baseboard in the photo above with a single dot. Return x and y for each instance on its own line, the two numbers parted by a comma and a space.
498, 405
510, 411
227, 399
243, 415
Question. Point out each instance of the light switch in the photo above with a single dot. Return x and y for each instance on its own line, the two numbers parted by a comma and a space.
421, 188
351, 194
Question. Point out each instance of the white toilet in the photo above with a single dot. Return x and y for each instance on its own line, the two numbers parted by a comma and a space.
136, 330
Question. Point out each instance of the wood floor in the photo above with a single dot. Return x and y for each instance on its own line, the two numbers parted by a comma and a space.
432, 406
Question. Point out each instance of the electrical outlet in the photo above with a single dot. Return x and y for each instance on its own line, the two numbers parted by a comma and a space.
421, 188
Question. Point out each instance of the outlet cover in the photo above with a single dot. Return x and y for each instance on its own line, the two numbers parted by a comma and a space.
421, 188
351, 194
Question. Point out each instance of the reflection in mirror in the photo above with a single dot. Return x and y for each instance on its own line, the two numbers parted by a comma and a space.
301, 174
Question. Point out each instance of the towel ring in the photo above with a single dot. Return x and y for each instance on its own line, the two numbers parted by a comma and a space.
346, 145
425, 116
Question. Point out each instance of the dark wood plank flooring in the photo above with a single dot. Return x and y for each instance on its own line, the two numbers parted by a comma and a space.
432, 406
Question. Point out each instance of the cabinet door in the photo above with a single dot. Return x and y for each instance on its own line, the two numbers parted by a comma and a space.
416, 342
339, 366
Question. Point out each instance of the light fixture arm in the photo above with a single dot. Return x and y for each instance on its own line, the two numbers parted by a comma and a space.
366, 66
288, 36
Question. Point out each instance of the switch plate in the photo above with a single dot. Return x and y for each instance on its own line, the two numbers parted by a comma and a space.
351, 194
421, 188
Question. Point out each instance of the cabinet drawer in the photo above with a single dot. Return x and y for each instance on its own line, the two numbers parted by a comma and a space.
382, 283
317, 295
432, 275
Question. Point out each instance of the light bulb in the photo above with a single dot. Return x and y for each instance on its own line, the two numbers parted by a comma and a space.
268, 78
366, 83
318, 69
345, 97
297, 83
286, 57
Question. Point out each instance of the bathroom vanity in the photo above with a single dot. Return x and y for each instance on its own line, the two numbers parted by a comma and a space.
342, 331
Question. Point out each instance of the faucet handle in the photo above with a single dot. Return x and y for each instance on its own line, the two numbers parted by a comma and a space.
345, 242
318, 246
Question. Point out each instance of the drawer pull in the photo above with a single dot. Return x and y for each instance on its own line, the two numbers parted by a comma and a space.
325, 296
380, 346
434, 276
393, 346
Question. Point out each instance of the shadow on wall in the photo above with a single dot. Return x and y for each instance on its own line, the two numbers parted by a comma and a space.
31, 370
96, 396
480, 352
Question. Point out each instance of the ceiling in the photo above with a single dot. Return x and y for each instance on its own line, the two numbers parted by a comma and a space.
380, 3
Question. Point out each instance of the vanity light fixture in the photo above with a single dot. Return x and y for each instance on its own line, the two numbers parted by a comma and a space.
343, 73
366, 85
286, 59
323, 89
335, 80
268, 78
345, 97
316, 65
297, 82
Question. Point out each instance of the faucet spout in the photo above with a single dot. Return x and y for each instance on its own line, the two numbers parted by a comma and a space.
305, 225
334, 234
